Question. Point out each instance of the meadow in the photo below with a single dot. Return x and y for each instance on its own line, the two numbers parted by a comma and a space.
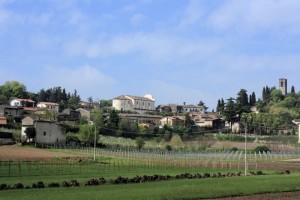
113, 163
171, 189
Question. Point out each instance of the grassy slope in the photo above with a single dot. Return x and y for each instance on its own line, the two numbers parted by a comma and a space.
174, 189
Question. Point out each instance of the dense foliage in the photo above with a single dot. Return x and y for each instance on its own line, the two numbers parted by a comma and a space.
274, 109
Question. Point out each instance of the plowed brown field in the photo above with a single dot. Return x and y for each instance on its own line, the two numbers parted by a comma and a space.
15, 152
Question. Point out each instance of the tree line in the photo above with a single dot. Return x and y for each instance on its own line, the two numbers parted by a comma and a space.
14, 89
273, 109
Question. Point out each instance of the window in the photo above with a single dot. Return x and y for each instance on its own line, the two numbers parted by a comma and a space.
44, 133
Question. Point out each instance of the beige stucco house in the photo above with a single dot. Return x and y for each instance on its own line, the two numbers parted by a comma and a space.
49, 105
172, 121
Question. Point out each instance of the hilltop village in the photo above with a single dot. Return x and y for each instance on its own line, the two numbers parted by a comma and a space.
54, 116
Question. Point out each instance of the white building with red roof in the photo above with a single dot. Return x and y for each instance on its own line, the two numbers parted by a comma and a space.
49, 105
22, 102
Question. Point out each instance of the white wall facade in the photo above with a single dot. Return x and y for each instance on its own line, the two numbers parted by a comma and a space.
51, 106
133, 103
15, 102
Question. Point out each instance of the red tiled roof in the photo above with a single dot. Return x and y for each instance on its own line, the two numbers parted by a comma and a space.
30, 109
26, 100
49, 103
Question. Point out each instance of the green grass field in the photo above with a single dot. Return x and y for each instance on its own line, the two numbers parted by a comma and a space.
109, 167
172, 189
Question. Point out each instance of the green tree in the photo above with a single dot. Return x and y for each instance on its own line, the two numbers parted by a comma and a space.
140, 142
293, 90
13, 89
230, 111
242, 103
72, 137
90, 100
188, 120
176, 141
105, 103
276, 96
30, 132
113, 120
87, 134
218, 105
97, 118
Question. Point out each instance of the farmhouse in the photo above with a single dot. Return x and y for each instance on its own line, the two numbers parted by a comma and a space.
22, 102
49, 132
209, 120
172, 121
134, 103
14, 111
49, 105
69, 115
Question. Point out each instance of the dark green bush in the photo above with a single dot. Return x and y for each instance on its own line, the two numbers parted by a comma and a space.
168, 147
262, 148
234, 149
234, 138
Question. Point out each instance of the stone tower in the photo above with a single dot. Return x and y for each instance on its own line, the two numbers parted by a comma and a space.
283, 86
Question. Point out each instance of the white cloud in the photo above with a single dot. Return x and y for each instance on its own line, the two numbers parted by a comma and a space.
152, 47
257, 15
193, 13
87, 80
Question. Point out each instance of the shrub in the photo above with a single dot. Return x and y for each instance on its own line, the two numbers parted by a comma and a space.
53, 185
19, 186
176, 141
140, 142
262, 148
234, 149
168, 147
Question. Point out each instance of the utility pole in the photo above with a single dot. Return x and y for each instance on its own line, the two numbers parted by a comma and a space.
246, 149
95, 143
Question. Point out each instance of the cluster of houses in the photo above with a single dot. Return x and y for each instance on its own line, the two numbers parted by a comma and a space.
146, 104
134, 109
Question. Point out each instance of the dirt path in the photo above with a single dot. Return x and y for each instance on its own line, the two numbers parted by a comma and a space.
15, 152
269, 196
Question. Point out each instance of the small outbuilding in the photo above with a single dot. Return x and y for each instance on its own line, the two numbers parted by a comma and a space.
49, 132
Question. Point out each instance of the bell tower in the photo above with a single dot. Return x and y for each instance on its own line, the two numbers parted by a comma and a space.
283, 86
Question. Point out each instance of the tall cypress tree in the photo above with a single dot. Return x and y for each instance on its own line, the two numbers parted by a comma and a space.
218, 106
293, 90
253, 99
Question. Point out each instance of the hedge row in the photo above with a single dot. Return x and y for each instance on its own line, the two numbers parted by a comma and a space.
126, 180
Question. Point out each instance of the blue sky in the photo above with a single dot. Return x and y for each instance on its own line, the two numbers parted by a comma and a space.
178, 50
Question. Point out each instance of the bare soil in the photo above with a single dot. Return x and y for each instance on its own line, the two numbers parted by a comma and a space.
15, 152
269, 196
